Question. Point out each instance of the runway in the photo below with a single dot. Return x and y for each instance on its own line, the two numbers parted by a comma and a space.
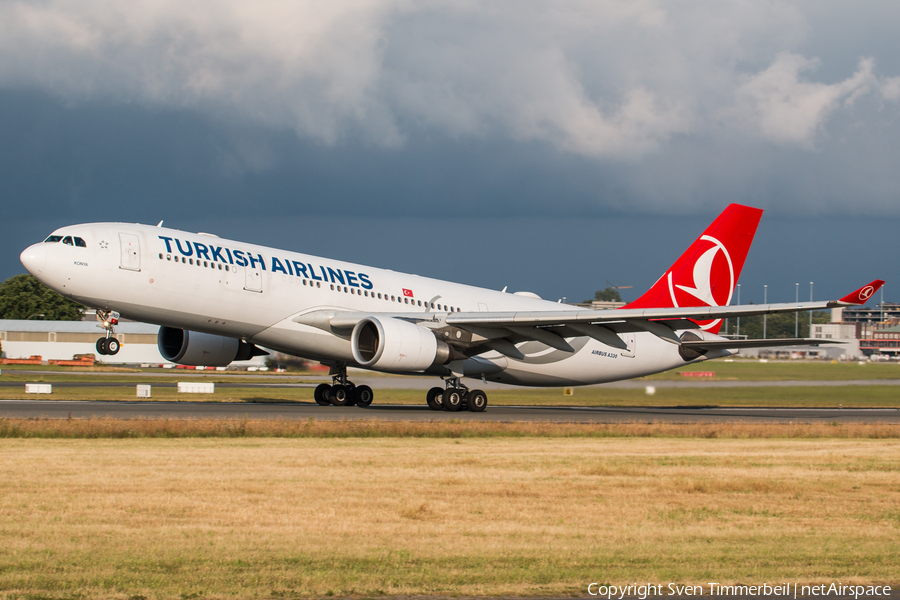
394, 412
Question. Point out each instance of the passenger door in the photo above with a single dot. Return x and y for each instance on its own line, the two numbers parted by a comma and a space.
131, 252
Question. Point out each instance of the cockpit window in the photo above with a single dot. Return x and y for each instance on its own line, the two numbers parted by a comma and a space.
53, 239
68, 241
80, 243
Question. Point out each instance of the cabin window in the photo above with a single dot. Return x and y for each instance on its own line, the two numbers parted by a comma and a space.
332, 287
191, 260
53, 239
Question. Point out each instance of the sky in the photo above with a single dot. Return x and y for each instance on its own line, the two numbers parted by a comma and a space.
550, 146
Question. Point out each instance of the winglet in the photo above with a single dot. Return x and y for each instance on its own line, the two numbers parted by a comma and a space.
862, 295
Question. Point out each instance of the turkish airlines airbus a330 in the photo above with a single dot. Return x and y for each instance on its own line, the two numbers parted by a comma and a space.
217, 300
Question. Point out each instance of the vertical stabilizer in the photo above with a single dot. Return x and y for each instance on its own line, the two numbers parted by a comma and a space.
707, 273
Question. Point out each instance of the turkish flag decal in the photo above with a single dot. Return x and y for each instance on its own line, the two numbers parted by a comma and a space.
407, 293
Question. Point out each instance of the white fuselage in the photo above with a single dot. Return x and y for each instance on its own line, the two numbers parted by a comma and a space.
204, 283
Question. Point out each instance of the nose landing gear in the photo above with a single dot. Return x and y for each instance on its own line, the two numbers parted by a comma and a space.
108, 346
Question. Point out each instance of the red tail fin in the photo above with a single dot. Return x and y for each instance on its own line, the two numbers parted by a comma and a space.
705, 275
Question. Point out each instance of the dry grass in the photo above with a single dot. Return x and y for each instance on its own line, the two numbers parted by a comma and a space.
374, 428
530, 515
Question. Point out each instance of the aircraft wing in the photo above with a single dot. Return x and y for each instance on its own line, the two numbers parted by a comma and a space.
639, 317
500, 331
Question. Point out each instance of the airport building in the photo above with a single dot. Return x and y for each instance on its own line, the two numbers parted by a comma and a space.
880, 313
880, 339
65, 340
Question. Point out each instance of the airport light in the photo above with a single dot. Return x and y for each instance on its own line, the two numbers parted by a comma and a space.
797, 314
765, 301
738, 332
810, 312
41, 315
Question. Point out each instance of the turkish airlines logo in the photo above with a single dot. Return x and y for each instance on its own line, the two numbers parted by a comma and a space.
711, 268
866, 293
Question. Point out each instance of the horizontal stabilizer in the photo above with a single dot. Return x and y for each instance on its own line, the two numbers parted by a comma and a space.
738, 344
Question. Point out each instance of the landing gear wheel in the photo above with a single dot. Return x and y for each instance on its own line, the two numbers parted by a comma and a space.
363, 395
477, 400
453, 399
340, 395
321, 394
112, 346
433, 398
101, 346
351, 394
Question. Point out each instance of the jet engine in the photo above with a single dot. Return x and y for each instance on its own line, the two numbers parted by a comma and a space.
202, 349
389, 344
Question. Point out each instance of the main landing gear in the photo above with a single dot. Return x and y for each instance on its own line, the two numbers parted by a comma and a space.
456, 397
343, 392
108, 346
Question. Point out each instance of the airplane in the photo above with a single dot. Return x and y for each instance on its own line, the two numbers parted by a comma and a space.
219, 300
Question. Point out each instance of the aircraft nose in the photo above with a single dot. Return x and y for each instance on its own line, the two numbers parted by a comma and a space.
34, 258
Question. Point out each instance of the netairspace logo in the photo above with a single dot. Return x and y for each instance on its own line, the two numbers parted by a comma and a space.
785, 590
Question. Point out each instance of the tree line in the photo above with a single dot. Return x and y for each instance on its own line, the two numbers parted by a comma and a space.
24, 297
777, 326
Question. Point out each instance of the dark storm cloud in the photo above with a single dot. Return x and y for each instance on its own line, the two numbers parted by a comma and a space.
605, 79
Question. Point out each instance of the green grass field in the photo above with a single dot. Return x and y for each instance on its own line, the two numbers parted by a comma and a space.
753, 370
736, 370
801, 396
818, 396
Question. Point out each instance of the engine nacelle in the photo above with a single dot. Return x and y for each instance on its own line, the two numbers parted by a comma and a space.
389, 344
202, 349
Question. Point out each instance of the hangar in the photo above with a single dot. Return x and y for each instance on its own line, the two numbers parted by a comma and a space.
62, 340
